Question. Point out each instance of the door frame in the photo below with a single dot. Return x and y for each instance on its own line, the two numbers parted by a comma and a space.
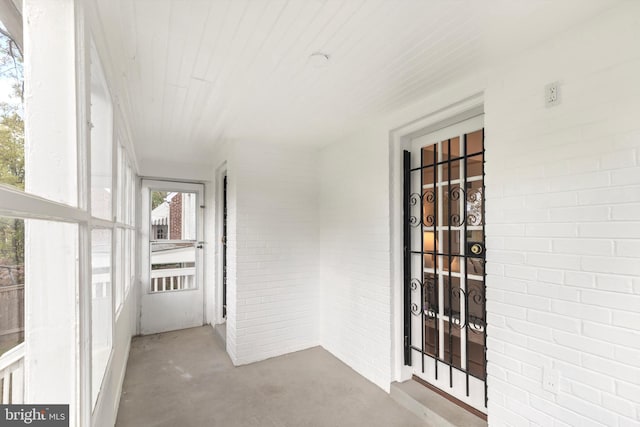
400, 140
453, 376
146, 186
221, 173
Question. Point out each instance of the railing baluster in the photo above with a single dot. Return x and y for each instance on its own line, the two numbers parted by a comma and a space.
6, 381
174, 279
12, 375
17, 384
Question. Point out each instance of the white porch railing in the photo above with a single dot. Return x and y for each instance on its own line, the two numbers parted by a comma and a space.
12, 375
173, 279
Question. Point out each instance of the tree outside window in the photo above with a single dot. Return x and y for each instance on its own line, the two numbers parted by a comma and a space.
12, 173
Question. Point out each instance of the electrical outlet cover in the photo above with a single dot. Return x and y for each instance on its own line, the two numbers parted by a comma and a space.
551, 380
552, 94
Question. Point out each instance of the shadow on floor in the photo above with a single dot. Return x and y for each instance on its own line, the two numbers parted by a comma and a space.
185, 378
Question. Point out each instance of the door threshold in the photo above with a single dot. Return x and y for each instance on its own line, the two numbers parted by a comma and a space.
434, 406
450, 398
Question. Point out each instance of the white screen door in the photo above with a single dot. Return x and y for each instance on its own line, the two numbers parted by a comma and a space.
172, 294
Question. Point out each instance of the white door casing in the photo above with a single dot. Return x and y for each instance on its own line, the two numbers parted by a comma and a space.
172, 298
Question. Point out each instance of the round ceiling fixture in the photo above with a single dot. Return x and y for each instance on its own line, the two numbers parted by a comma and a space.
319, 60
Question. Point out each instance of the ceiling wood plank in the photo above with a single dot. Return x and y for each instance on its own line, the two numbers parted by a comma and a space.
189, 74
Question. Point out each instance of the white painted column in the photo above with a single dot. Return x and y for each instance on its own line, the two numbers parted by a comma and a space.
50, 100
51, 155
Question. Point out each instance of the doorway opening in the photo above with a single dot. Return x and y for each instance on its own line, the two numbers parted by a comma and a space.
444, 266
172, 291
224, 248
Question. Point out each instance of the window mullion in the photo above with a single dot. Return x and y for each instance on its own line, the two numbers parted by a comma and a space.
16, 203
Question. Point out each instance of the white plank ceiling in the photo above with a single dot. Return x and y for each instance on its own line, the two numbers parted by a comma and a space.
189, 74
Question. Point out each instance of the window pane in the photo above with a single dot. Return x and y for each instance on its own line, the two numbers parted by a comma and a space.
101, 306
132, 197
119, 266
126, 191
127, 262
172, 266
11, 283
159, 215
132, 258
122, 191
429, 155
476, 329
12, 167
101, 142
474, 142
173, 216
51, 280
450, 149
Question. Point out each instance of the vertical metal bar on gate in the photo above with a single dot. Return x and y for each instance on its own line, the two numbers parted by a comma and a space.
407, 258
224, 247
466, 265
436, 290
484, 277
450, 262
423, 324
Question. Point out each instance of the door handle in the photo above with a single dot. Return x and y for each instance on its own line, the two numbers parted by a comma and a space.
200, 245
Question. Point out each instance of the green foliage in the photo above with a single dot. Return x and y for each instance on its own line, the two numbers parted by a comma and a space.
12, 167
11, 147
11, 241
157, 197
11, 122
11, 66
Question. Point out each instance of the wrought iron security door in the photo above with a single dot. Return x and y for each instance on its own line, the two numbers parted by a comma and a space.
445, 314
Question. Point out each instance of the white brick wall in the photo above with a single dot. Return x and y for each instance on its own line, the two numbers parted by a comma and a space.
563, 213
354, 256
273, 300
563, 193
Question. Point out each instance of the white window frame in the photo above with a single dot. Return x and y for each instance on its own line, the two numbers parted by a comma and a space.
20, 204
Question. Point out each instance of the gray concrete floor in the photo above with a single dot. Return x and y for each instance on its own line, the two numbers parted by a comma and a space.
185, 378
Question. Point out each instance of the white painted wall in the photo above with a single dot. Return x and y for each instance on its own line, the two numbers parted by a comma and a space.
360, 286
354, 254
272, 294
563, 214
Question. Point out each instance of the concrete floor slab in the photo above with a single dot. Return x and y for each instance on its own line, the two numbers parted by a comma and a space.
185, 378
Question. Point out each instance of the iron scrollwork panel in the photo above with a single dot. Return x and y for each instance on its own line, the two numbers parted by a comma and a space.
427, 216
474, 206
